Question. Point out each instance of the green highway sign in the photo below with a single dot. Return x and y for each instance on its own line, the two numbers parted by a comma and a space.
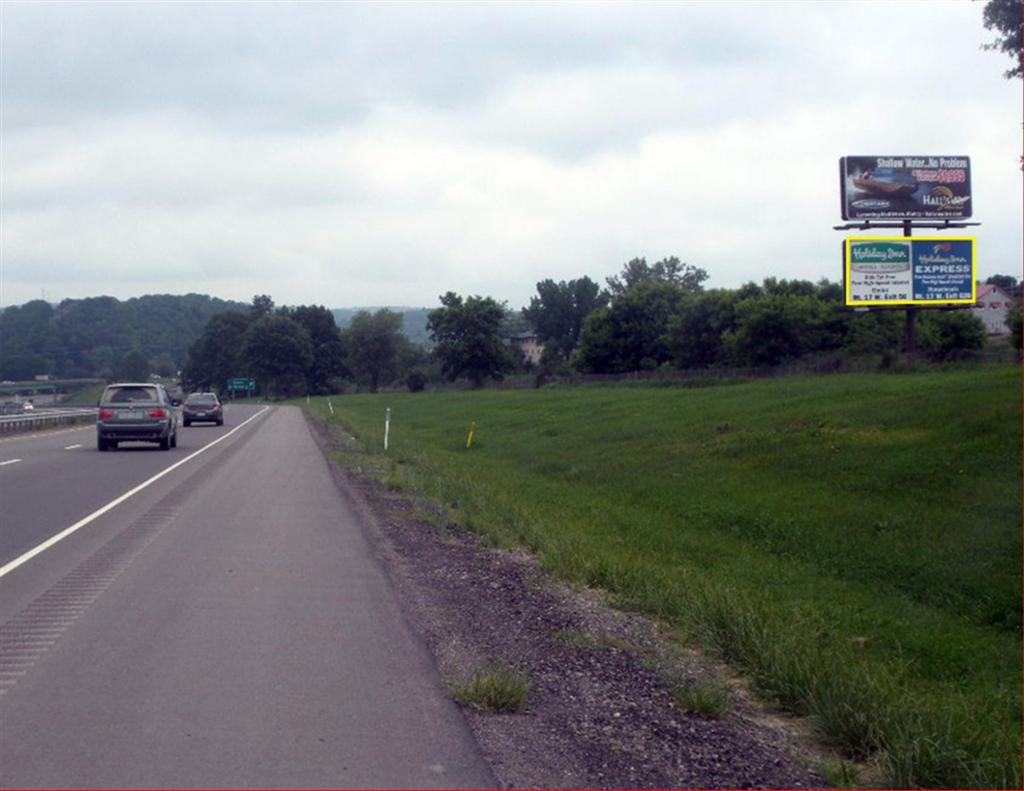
241, 384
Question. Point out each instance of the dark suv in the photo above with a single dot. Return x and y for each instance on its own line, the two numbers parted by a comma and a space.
202, 407
136, 412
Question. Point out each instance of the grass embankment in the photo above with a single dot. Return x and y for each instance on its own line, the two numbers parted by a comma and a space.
88, 395
851, 543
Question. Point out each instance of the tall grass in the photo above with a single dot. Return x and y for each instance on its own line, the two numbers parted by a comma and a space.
852, 543
494, 688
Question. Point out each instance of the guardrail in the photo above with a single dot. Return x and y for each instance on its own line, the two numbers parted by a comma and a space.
10, 424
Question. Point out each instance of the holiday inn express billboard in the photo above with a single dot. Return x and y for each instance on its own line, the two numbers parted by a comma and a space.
900, 270
905, 187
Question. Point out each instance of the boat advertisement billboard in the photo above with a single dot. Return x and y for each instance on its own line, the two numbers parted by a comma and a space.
905, 187
900, 270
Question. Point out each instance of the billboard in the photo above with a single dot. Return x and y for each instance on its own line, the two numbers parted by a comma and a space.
905, 187
900, 270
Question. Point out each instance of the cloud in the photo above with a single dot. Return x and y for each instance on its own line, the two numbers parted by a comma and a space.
350, 154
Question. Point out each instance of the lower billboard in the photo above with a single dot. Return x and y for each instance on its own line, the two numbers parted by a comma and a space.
899, 270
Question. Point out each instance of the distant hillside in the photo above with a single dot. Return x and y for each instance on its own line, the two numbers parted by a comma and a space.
90, 337
414, 321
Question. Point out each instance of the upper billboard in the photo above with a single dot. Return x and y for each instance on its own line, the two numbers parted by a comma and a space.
905, 187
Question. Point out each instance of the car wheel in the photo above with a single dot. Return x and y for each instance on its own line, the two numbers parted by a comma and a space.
101, 444
112, 444
188, 423
174, 439
220, 422
165, 443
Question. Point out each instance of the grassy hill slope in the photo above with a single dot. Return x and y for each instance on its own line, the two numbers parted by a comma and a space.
852, 543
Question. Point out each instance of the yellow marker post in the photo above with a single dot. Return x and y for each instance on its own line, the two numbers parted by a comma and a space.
469, 439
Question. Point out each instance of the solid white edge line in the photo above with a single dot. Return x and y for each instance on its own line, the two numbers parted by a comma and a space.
11, 461
116, 502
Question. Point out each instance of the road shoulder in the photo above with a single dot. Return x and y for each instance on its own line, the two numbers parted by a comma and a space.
600, 713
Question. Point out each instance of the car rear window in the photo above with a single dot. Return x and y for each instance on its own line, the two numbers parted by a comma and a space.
125, 395
208, 398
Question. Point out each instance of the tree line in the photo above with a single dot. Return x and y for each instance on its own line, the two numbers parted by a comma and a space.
661, 316
300, 350
646, 317
103, 336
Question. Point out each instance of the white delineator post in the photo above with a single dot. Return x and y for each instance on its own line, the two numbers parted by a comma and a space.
387, 426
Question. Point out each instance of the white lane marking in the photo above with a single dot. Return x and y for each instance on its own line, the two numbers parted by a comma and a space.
72, 447
12, 461
43, 434
116, 502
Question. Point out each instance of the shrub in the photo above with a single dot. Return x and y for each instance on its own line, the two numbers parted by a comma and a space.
416, 381
708, 697
495, 688
947, 335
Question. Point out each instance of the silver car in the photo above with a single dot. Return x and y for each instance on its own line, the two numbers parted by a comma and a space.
136, 412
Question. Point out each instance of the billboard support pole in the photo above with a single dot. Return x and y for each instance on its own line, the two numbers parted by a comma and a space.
910, 330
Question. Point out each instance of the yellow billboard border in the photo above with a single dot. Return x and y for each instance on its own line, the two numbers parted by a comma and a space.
901, 302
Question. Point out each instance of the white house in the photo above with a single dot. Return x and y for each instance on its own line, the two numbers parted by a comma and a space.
992, 305
531, 346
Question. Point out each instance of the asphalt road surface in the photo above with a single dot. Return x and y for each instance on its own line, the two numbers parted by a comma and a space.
224, 625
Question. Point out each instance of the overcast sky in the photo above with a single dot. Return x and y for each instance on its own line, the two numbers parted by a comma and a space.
356, 154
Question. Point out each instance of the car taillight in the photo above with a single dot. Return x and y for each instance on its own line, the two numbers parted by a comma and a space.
106, 414
158, 413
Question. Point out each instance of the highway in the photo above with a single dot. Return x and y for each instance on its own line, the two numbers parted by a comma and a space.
210, 616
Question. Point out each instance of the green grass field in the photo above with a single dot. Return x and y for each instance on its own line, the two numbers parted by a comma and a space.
850, 543
88, 395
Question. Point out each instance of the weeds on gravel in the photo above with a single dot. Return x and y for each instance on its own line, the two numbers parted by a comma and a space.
589, 640
494, 688
708, 697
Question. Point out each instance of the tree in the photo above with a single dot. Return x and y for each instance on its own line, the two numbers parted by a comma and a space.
874, 332
87, 337
29, 338
694, 334
21, 367
278, 352
416, 381
778, 327
668, 270
558, 311
944, 335
216, 355
262, 305
630, 334
793, 288
372, 344
328, 350
1016, 326
163, 365
467, 337
134, 367
1004, 16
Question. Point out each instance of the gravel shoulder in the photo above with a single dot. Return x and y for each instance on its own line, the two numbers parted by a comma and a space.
600, 711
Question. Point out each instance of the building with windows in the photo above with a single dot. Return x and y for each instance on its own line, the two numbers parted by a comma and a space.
992, 305
531, 346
